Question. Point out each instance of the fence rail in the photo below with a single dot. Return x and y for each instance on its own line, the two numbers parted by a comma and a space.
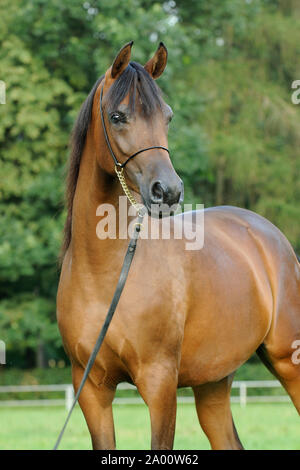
242, 398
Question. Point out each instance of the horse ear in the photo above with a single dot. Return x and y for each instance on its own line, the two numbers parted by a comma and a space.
122, 60
156, 65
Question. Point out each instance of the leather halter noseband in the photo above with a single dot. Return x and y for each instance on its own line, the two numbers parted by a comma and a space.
117, 163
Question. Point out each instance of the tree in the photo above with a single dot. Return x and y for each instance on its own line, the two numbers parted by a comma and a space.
234, 138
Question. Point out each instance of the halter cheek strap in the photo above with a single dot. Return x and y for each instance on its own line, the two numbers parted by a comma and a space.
117, 163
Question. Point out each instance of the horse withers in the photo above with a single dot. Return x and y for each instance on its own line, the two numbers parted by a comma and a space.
186, 317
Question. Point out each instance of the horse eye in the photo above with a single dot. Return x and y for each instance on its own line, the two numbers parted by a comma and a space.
170, 116
169, 119
115, 118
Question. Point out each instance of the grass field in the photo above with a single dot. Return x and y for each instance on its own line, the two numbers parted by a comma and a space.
260, 426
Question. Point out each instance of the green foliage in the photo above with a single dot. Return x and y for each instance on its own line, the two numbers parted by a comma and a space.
234, 138
53, 375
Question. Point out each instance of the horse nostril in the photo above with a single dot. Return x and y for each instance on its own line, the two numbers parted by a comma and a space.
157, 192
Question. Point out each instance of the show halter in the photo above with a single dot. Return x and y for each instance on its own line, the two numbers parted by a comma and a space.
117, 163
119, 167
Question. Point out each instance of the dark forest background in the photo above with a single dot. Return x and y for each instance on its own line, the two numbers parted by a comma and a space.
234, 138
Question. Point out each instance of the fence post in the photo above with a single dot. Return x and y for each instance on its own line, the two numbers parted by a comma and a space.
243, 394
69, 394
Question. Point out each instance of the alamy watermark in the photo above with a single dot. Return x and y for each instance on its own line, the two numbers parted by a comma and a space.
296, 94
296, 353
187, 225
2, 92
2, 352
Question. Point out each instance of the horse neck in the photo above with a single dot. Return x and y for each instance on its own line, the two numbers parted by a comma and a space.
94, 187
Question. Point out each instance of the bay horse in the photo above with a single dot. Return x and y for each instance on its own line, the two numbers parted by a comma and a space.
185, 318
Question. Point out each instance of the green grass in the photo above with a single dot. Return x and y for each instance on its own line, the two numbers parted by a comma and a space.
260, 426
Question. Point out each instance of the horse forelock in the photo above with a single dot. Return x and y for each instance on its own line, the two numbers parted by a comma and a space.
136, 82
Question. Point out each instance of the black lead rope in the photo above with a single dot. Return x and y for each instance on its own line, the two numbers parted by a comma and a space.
120, 286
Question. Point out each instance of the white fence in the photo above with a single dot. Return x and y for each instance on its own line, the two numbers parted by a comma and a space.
242, 398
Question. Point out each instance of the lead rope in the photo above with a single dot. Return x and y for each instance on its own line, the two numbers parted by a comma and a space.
115, 300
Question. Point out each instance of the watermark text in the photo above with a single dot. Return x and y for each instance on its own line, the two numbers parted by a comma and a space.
187, 225
296, 94
2, 352
2, 92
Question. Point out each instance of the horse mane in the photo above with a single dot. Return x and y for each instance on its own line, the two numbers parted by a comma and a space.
136, 82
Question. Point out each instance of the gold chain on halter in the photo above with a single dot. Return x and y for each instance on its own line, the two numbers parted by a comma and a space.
131, 199
120, 174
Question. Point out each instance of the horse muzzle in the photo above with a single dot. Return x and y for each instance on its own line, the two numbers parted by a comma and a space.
162, 197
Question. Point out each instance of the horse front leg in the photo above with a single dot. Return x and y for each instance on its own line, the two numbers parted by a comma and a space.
96, 405
157, 384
